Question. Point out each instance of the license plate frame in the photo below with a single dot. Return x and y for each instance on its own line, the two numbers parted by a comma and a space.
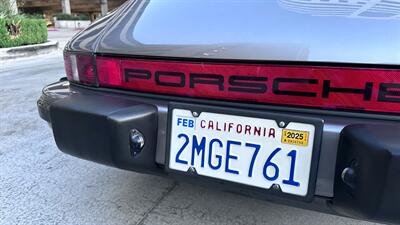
257, 113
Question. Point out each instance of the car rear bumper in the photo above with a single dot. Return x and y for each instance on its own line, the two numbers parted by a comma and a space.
95, 125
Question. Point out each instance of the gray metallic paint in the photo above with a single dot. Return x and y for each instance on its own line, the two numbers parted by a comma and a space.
341, 31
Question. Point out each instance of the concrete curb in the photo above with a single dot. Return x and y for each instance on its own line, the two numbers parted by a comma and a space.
28, 50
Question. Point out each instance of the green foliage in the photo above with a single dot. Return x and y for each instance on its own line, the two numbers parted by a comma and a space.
19, 30
34, 16
63, 16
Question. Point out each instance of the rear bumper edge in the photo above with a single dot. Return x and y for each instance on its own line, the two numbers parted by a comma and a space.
94, 125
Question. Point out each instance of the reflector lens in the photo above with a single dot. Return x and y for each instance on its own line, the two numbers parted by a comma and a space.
80, 68
68, 67
368, 89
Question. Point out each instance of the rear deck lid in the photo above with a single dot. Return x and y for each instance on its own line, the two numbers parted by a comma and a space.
345, 31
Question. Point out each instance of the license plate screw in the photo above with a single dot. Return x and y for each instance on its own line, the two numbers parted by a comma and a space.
192, 170
276, 187
195, 114
281, 124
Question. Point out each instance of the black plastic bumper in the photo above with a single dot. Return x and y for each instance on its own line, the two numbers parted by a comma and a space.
96, 125
89, 129
371, 187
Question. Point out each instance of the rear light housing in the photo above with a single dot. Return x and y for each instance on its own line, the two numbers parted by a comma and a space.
325, 87
80, 68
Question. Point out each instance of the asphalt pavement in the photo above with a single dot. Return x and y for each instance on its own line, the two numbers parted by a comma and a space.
41, 185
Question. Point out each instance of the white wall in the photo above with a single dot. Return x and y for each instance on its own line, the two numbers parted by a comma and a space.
76, 24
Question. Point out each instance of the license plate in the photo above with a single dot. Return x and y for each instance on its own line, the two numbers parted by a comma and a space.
259, 152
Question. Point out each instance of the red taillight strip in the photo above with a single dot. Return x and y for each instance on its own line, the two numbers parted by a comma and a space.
375, 90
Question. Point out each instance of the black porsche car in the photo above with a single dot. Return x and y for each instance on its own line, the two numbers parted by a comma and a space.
293, 101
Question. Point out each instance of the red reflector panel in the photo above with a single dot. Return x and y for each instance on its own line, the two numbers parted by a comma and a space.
80, 68
86, 69
376, 90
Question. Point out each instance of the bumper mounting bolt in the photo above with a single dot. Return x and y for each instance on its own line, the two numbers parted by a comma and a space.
348, 176
136, 140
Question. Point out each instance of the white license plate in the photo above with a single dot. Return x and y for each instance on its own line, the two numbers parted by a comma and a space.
245, 150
